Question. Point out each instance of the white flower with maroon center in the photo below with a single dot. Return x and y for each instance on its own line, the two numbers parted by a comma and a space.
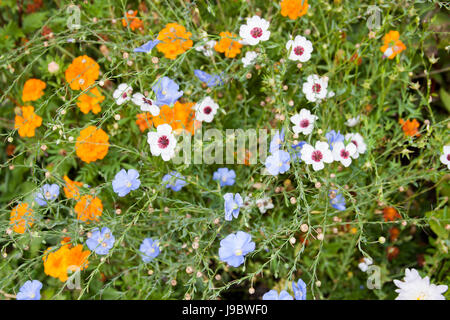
146, 105
317, 155
162, 142
315, 88
255, 30
358, 141
343, 153
206, 109
303, 122
445, 157
122, 93
299, 49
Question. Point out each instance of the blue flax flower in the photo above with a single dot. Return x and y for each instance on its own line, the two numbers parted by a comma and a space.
147, 47
166, 91
299, 289
232, 205
234, 247
276, 141
224, 176
337, 200
174, 181
47, 193
124, 182
211, 80
31, 290
273, 295
149, 249
278, 162
334, 137
101, 241
296, 151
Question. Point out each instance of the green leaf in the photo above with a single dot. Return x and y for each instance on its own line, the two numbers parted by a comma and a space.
438, 220
445, 97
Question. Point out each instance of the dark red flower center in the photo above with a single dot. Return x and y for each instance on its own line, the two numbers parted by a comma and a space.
345, 154
448, 157
147, 101
316, 88
163, 142
124, 95
317, 156
355, 143
299, 50
304, 123
256, 32
207, 110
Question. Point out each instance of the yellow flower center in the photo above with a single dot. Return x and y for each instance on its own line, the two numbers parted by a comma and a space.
238, 252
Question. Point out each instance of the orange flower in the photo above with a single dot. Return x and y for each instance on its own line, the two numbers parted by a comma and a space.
394, 233
294, 8
59, 262
136, 23
82, 73
21, 217
33, 90
92, 144
227, 45
174, 40
410, 128
390, 214
89, 208
77, 258
392, 252
90, 101
180, 117
392, 45
71, 189
144, 121
27, 122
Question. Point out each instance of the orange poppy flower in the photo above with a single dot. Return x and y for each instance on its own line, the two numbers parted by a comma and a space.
394, 233
21, 217
82, 73
33, 89
180, 117
71, 189
390, 214
89, 208
77, 258
392, 45
136, 23
27, 122
410, 128
144, 121
392, 252
174, 40
59, 262
90, 101
92, 144
294, 8
227, 45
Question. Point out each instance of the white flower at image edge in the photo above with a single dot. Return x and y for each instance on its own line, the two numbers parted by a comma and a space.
315, 88
146, 105
206, 109
162, 142
445, 157
414, 287
255, 30
122, 93
299, 49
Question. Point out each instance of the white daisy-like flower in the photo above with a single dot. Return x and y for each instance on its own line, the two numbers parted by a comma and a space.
249, 58
315, 88
255, 30
264, 204
146, 105
207, 48
317, 155
162, 142
414, 287
299, 49
358, 141
445, 157
206, 109
352, 121
343, 153
123, 93
303, 122
363, 266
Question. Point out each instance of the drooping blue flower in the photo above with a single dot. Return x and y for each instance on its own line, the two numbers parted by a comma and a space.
278, 162
211, 80
147, 47
234, 248
232, 205
31, 290
166, 91
296, 151
273, 295
174, 180
337, 200
299, 289
149, 249
334, 137
101, 241
124, 182
225, 176
47, 193
276, 141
